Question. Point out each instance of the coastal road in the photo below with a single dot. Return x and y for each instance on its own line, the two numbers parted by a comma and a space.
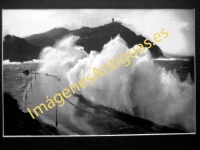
80, 117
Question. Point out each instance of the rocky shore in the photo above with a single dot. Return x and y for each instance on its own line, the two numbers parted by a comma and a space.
19, 123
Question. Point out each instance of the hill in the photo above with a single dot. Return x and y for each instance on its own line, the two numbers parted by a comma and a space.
28, 48
18, 49
93, 38
47, 38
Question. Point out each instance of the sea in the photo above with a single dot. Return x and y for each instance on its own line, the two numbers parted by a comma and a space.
79, 116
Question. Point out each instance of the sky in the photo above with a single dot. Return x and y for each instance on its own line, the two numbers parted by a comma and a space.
179, 23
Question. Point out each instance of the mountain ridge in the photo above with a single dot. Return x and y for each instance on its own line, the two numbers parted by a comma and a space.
90, 39
18, 49
43, 39
95, 38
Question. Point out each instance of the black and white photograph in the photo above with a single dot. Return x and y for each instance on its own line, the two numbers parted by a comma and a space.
98, 72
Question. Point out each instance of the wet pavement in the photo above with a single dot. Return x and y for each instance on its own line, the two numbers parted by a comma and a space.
79, 116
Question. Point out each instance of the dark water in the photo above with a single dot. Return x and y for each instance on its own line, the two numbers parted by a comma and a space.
79, 116
182, 67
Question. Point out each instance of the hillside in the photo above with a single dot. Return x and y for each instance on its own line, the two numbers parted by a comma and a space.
28, 48
93, 38
17, 122
47, 38
18, 49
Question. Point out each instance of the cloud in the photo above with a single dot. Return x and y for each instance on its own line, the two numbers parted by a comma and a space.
5, 31
179, 23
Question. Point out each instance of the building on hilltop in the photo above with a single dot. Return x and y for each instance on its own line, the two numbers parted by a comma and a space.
116, 22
